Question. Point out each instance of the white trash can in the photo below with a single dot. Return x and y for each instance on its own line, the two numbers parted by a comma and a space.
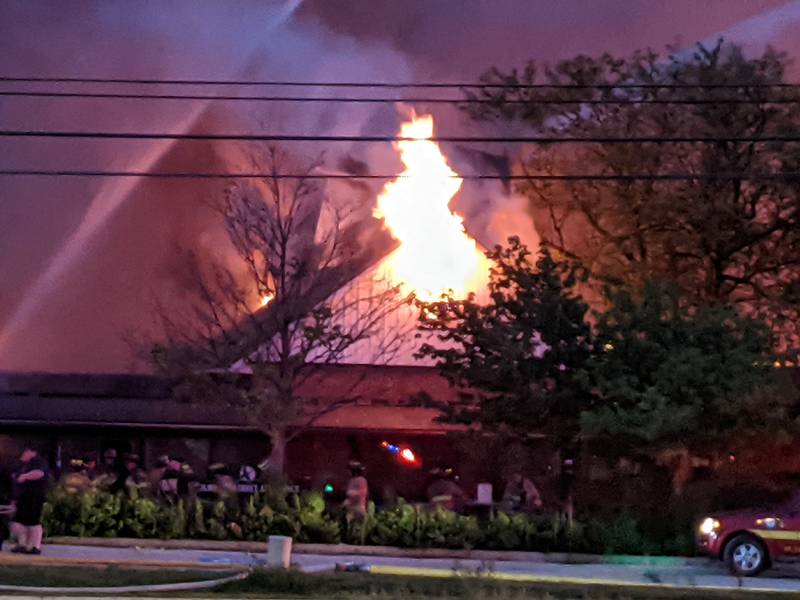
485, 493
279, 552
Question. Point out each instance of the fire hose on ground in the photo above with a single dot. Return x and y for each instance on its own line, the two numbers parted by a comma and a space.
129, 589
6, 510
280, 553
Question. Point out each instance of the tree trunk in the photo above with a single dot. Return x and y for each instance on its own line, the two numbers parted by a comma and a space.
568, 458
276, 464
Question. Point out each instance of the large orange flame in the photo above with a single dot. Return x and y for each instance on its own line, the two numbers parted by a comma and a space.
435, 253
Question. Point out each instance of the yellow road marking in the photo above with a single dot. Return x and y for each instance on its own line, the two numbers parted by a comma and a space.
556, 579
521, 577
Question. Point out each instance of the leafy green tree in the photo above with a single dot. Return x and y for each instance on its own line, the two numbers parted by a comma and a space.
730, 235
515, 360
672, 380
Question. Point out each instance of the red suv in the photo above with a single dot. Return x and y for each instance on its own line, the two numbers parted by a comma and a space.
749, 541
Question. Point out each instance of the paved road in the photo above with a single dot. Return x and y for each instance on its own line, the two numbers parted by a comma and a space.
696, 575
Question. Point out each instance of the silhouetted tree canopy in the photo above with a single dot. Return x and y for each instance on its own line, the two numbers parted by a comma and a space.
730, 241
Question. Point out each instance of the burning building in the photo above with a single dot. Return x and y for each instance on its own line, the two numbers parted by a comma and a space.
93, 270
414, 240
72, 416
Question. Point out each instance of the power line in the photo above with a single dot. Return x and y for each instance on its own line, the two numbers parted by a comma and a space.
413, 100
106, 135
787, 176
397, 85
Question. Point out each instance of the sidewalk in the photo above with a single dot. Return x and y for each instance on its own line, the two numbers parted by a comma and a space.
694, 575
382, 551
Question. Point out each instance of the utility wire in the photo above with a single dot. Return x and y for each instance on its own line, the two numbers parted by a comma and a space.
415, 100
787, 176
398, 85
105, 135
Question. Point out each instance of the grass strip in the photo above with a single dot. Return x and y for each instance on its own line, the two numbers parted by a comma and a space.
357, 586
97, 576
272, 584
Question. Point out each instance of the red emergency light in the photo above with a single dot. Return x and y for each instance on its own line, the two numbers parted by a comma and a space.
404, 454
407, 454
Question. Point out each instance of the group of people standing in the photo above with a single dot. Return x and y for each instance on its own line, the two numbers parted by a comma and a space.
173, 479
169, 479
124, 473
519, 495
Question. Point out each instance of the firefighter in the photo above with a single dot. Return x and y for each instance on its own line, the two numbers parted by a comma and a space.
357, 493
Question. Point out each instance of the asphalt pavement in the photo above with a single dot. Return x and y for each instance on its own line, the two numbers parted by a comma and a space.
696, 575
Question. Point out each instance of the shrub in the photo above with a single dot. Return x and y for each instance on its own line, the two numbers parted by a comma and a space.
140, 518
84, 514
307, 519
315, 525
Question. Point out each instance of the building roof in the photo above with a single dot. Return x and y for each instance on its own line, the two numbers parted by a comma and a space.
385, 385
383, 398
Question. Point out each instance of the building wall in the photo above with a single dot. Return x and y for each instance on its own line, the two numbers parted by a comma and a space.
319, 457
199, 449
314, 458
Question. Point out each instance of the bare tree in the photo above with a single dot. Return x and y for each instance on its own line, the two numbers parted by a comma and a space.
256, 331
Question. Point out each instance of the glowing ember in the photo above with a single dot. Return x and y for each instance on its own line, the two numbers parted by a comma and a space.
266, 299
435, 254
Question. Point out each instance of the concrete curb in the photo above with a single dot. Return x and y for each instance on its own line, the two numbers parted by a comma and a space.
383, 551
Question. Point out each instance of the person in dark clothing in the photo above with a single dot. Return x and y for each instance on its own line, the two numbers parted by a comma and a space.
129, 476
108, 471
187, 481
30, 490
168, 486
224, 485
80, 477
120, 476
4, 530
137, 477
444, 491
156, 474
5, 508
521, 495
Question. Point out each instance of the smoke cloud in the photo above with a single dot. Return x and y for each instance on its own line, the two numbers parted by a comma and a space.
82, 259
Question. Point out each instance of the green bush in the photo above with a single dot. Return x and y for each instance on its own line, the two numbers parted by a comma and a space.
140, 518
406, 526
315, 525
307, 519
85, 514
